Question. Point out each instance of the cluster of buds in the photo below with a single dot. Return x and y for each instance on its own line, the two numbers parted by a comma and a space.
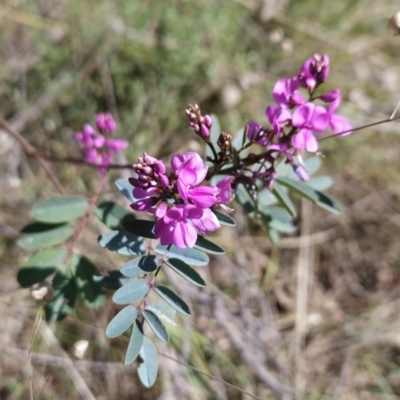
150, 172
294, 120
98, 149
314, 71
224, 141
201, 124
105, 123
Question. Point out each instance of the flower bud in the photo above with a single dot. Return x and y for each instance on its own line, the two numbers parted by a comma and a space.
204, 132
224, 141
301, 172
330, 96
208, 121
105, 122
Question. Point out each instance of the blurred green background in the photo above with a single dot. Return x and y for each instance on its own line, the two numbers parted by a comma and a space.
63, 61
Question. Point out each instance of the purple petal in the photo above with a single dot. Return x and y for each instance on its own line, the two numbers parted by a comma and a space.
281, 92
117, 144
207, 223
302, 115
161, 210
331, 96
299, 140
142, 193
163, 232
301, 172
144, 204
187, 176
175, 213
203, 196
340, 124
192, 211
320, 119
224, 190
178, 235
311, 142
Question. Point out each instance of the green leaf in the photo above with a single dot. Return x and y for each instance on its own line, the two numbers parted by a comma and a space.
273, 235
65, 293
163, 311
139, 266
148, 368
121, 322
122, 242
40, 266
244, 199
284, 199
156, 325
125, 188
328, 203
313, 164
186, 271
173, 299
320, 183
208, 246
278, 219
90, 290
37, 235
135, 343
283, 169
140, 227
188, 255
223, 218
112, 214
266, 199
239, 140
131, 291
301, 188
113, 281
60, 209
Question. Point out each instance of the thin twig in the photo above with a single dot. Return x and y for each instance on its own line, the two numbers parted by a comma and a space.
31, 151
359, 128
211, 376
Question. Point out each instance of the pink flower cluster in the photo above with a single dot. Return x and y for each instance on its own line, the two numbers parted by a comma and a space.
181, 205
294, 120
98, 149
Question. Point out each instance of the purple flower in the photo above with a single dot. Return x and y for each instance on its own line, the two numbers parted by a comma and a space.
285, 93
314, 71
278, 117
224, 191
254, 131
96, 148
190, 171
89, 137
175, 226
105, 122
309, 117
